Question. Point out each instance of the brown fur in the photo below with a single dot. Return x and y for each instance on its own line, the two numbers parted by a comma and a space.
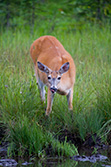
49, 51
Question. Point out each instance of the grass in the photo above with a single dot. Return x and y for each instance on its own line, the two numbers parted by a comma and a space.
21, 110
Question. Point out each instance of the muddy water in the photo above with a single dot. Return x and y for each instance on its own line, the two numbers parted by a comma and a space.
55, 162
87, 158
102, 158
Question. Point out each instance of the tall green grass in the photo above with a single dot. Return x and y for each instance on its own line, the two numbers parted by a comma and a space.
21, 110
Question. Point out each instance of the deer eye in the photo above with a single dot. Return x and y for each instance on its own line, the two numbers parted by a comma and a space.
49, 77
59, 78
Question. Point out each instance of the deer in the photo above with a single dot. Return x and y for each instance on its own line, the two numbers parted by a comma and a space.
54, 68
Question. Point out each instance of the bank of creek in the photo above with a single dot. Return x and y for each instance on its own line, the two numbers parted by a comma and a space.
91, 152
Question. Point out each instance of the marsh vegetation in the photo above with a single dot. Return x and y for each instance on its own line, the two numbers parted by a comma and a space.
22, 114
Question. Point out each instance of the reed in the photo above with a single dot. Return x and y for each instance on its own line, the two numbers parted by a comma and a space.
21, 110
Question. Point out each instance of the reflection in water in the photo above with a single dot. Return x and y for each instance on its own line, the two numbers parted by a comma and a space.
67, 163
57, 162
70, 162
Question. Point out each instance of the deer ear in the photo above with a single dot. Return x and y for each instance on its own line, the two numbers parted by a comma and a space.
43, 67
64, 68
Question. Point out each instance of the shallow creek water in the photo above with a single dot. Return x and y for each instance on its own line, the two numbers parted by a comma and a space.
101, 158
85, 159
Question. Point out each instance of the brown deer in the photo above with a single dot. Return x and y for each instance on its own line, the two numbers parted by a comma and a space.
55, 68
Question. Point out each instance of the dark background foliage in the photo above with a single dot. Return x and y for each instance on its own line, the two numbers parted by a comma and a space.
56, 13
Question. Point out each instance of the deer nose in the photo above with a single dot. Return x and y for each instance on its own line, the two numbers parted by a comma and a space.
53, 89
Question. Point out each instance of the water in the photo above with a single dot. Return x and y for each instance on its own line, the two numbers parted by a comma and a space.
56, 162
66, 163
69, 162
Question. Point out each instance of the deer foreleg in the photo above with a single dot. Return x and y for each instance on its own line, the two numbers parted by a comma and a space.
50, 97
